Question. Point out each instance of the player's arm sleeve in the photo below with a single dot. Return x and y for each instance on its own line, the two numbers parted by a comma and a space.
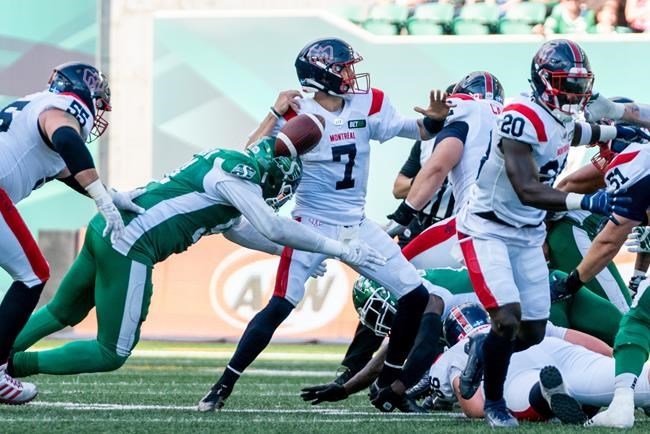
247, 198
457, 121
244, 234
412, 166
385, 123
67, 142
585, 133
72, 182
553, 331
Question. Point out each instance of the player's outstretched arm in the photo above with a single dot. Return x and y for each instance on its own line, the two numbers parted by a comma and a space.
601, 107
589, 342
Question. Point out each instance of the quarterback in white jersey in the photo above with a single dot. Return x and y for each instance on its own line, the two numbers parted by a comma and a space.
501, 227
331, 197
461, 148
42, 137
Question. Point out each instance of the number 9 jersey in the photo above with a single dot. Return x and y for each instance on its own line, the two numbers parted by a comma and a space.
26, 161
493, 196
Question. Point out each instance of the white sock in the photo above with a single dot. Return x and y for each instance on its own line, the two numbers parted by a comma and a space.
625, 381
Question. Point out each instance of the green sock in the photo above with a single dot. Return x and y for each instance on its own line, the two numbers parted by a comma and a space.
41, 324
629, 359
24, 364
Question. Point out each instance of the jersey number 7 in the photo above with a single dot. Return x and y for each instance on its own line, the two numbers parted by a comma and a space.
351, 151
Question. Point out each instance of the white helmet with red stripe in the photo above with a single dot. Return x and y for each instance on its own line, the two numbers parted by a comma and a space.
561, 78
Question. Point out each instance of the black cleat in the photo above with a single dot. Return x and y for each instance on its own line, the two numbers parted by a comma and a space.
470, 378
498, 416
421, 389
215, 399
564, 406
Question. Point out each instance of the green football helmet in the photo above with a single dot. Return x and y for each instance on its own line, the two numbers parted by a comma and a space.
375, 304
279, 176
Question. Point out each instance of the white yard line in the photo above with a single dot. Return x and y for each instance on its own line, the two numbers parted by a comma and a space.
196, 354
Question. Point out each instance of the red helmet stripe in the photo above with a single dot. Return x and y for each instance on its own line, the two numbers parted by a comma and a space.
488, 82
575, 50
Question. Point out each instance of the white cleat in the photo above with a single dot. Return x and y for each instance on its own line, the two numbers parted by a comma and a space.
620, 413
15, 392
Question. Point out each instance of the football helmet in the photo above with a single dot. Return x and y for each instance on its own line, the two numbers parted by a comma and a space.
375, 304
481, 85
464, 320
561, 78
327, 65
89, 85
279, 176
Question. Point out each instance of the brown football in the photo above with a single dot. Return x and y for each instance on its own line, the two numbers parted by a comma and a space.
299, 135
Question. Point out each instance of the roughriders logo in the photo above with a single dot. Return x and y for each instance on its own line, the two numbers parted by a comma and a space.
92, 79
321, 54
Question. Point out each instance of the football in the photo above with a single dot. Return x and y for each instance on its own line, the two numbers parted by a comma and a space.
299, 135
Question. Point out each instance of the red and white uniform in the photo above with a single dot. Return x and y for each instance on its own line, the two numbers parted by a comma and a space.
26, 163
501, 238
331, 196
432, 248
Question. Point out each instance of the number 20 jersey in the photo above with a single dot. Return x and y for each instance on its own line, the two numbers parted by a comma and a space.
526, 121
26, 162
335, 172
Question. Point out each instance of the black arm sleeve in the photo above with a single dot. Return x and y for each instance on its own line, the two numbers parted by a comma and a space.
458, 129
71, 182
412, 165
71, 147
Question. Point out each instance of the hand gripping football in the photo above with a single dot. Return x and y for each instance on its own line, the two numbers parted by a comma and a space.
299, 135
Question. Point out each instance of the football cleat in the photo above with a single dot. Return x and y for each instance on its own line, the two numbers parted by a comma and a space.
470, 378
421, 389
215, 399
620, 413
566, 408
15, 392
498, 416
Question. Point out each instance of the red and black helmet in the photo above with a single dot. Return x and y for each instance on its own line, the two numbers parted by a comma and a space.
320, 67
561, 77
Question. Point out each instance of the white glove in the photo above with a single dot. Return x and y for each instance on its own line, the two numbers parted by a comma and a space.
108, 210
638, 241
319, 271
124, 199
600, 107
360, 254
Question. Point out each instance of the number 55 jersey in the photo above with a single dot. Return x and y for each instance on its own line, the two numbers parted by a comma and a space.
493, 197
335, 172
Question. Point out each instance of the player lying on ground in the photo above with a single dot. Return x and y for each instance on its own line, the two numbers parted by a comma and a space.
208, 195
584, 311
43, 137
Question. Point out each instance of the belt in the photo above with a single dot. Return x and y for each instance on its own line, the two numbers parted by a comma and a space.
490, 215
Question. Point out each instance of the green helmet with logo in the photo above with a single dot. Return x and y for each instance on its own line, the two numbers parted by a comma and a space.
279, 176
375, 304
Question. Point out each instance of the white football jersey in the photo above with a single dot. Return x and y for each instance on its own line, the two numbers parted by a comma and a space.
335, 173
525, 121
481, 118
26, 161
629, 166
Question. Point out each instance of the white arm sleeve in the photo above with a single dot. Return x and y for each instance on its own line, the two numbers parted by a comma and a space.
553, 331
244, 234
247, 198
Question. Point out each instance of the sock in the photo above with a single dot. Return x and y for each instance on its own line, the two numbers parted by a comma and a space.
497, 351
23, 364
15, 309
41, 324
629, 359
538, 403
256, 337
625, 380
403, 330
425, 349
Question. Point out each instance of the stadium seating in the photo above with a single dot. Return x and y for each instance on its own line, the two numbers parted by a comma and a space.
386, 19
430, 19
521, 17
476, 19
355, 13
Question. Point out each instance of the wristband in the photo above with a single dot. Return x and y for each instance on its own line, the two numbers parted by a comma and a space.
275, 113
98, 192
432, 126
573, 201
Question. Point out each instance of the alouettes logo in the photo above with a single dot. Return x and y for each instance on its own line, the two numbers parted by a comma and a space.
321, 54
244, 281
92, 79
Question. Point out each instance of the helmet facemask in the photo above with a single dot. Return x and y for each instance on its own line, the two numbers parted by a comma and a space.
102, 99
280, 181
566, 93
352, 83
378, 310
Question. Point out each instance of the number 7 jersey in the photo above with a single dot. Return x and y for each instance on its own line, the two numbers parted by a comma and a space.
335, 173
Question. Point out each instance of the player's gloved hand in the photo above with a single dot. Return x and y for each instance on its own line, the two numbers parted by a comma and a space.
600, 107
564, 287
114, 223
124, 199
606, 203
630, 134
331, 392
319, 271
361, 254
638, 241
400, 218
633, 286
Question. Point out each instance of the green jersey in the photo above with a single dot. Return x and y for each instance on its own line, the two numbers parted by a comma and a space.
184, 206
456, 281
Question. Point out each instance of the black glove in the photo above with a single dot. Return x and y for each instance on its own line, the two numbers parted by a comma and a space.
562, 288
331, 392
403, 214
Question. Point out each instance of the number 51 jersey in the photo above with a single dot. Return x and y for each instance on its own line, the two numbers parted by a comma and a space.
26, 161
335, 173
493, 195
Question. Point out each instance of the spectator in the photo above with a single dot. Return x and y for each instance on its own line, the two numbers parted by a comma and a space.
570, 16
637, 14
607, 17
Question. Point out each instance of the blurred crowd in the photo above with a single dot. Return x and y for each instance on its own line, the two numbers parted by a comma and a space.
546, 17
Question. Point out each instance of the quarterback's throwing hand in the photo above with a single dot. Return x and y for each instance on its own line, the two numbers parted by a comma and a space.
361, 254
287, 99
331, 392
638, 241
124, 199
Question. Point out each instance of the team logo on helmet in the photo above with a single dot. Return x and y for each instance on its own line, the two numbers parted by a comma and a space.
321, 54
92, 79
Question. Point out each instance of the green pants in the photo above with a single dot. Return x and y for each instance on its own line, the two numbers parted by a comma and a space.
100, 277
632, 344
568, 244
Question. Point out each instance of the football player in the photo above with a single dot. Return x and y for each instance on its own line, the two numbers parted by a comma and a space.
205, 196
43, 137
331, 200
501, 228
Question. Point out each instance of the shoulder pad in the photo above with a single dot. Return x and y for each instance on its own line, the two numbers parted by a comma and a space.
377, 100
521, 122
463, 108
